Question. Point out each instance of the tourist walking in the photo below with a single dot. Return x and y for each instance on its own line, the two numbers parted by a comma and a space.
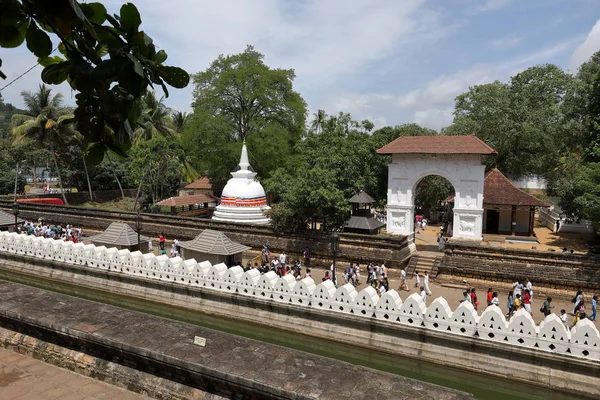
489, 296
510, 303
423, 295
161, 241
474, 298
594, 306
306, 255
426, 283
529, 287
357, 275
517, 302
546, 308
495, 300
282, 259
467, 294
403, 285
518, 288
527, 301
417, 280
564, 318
578, 299
441, 242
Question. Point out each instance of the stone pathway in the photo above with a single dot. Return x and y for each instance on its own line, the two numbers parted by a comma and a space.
25, 378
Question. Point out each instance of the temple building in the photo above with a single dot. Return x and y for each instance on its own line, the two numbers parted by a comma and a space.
243, 200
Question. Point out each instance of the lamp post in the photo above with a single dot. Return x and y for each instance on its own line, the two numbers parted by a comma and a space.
335, 246
138, 227
15, 208
17, 177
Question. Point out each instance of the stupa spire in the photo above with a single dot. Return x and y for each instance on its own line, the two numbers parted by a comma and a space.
244, 164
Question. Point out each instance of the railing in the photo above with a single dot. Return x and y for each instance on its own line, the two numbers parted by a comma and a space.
520, 330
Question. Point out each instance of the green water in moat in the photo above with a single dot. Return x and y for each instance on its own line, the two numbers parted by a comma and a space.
481, 386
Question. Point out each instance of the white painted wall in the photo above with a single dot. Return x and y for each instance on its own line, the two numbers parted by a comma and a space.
465, 172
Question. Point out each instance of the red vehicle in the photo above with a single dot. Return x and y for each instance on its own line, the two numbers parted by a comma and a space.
45, 200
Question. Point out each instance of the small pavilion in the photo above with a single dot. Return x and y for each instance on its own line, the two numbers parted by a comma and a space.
213, 246
507, 210
7, 221
191, 205
362, 220
121, 236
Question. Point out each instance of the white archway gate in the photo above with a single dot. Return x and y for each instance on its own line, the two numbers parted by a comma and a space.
456, 158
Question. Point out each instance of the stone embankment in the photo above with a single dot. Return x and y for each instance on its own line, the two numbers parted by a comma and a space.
159, 357
547, 354
563, 271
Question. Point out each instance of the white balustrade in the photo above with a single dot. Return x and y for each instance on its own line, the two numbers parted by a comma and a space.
550, 336
388, 307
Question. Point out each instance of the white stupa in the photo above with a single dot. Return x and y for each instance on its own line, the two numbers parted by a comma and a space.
243, 200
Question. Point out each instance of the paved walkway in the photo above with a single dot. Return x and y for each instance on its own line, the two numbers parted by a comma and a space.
25, 378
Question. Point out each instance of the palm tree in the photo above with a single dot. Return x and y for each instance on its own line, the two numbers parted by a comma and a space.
179, 119
45, 123
316, 125
154, 120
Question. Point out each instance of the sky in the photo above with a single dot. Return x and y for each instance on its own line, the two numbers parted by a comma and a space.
389, 61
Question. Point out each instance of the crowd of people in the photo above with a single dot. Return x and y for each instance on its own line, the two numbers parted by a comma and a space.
58, 232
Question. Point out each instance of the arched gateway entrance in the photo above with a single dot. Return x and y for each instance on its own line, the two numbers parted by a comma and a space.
456, 158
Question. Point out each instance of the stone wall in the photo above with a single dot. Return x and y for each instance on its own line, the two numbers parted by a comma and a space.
393, 250
546, 269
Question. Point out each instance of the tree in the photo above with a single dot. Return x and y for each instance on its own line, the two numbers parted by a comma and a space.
525, 121
104, 57
155, 162
239, 97
179, 119
318, 121
45, 123
249, 95
154, 120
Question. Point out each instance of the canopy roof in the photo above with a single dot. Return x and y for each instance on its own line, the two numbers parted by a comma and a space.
119, 234
437, 145
187, 200
364, 223
202, 183
498, 189
8, 219
362, 198
214, 242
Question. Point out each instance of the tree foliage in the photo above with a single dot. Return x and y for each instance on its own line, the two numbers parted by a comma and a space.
525, 120
155, 163
104, 57
239, 97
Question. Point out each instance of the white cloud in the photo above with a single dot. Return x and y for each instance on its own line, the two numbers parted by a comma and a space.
506, 42
491, 5
586, 49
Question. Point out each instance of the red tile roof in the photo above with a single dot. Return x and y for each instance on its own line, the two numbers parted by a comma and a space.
498, 189
187, 200
201, 183
437, 145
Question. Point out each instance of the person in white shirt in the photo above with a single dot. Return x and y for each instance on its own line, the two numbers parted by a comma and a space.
417, 280
426, 283
383, 270
564, 318
423, 295
403, 285
518, 288
529, 287
495, 300
382, 290
282, 258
